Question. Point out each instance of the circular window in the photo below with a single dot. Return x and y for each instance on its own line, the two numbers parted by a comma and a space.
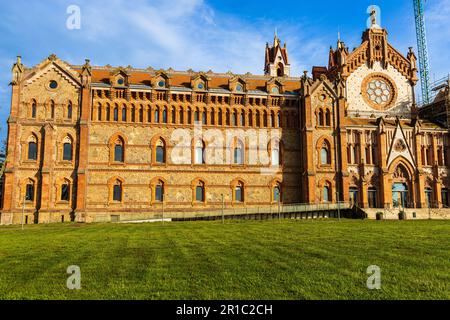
120, 81
201, 86
379, 91
239, 88
162, 83
53, 84
275, 90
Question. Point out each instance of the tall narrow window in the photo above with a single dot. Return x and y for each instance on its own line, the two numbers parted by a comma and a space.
200, 192
239, 193
67, 152
181, 116
124, 114
69, 111
156, 115
108, 113
119, 151
65, 192
199, 153
219, 116
116, 114
117, 191
372, 197
32, 150
197, 116
174, 115
325, 154
52, 109
160, 152
328, 118
141, 114
165, 115
133, 114
29, 192
159, 192
33, 110
277, 193
204, 118
239, 154
326, 194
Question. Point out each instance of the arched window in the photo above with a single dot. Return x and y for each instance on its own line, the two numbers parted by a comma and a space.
99, 112
199, 153
133, 114
258, 119
141, 114
119, 155
280, 70
181, 116
204, 117
200, 192
328, 118
228, 118
70, 110
276, 192
265, 119
241, 119
189, 116
325, 158
238, 153
160, 152
320, 115
65, 191
239, 192
117, 191
29, 191
67, 150
174, 115
156, 119
220, 122
124, 114
33, 110
197, 116
116, 113
159, 191
108, 113
32, 148
165, 115
212, 115
250, 119
326, 196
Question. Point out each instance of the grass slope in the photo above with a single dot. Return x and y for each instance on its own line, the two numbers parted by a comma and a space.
238, 260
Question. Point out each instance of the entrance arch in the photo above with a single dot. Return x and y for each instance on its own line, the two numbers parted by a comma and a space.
402, 187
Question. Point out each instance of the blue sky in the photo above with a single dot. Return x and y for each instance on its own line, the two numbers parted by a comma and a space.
203, 34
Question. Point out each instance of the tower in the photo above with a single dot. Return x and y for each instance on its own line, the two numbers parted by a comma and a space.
277, 61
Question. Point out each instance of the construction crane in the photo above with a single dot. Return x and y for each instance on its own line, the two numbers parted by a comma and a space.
423, 51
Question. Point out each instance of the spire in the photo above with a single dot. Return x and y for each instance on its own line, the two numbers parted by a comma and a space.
277, 61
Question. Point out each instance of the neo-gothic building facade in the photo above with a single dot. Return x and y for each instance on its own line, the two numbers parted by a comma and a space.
89, 142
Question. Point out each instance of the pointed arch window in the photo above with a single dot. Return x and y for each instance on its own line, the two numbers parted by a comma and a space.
325, 158
174, 115
65, 191
108, 113
32, 150
181, 116
119, 150
276, 193
239, 192
200, 192
29, 191
160, 152
33, 110
116, 113
156, 115
159, 191
133, 114
124, 114
52, 109
67, 150
117, 191
328, 118
326, 193
164, 117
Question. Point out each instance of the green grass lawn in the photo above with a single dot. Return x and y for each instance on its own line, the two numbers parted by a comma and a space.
239, 260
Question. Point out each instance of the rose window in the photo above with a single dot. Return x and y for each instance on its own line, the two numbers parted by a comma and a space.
379, 92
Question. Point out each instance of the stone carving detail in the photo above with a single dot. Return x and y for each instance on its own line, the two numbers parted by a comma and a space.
400, 146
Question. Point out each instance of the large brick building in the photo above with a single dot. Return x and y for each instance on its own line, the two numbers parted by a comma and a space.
89, 142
